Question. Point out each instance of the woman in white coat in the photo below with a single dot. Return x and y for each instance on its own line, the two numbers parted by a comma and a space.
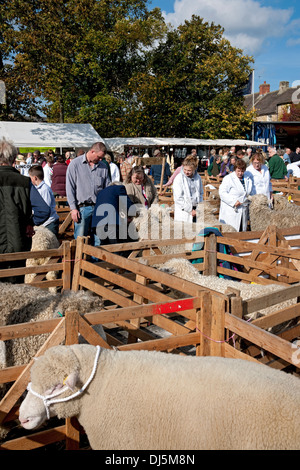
260, 175
234, 191
187, 190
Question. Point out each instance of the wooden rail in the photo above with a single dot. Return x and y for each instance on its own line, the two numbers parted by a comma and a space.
66, 225
268, 257
60, 261
290, 188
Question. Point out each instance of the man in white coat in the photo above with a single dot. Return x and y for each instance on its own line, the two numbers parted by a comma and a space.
187, 191
234, 191
260, 175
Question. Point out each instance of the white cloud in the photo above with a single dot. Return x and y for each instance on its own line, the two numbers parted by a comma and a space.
293, 42
247, 24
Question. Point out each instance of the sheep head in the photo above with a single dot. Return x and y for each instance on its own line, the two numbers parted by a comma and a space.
281, 203
58, 370
81, 301
258, 201
214, 197
167, 270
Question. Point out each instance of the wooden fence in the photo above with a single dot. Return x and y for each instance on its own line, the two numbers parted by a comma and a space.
275, 256
66, 225
289, 189
138, 314
219, 319
268, 257
60, 261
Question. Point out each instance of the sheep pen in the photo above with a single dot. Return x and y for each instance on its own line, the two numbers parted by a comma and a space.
217, 284
184, 269
22, 304
43, 239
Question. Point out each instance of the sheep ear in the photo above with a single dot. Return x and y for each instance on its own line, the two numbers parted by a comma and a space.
71, 380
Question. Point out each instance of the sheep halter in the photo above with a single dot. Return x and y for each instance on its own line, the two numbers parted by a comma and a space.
50, 399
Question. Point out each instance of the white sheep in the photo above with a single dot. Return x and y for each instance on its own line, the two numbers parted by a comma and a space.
142, 400
208, 210
43, 239
284, 214
156, 223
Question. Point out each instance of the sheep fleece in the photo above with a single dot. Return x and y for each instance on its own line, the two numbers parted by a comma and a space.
152, 400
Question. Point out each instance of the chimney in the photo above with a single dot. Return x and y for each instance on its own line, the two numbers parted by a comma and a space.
264, 89
283, 86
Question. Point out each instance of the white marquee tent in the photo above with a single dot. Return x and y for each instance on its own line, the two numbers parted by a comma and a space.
119, 143
52, 135
66, 135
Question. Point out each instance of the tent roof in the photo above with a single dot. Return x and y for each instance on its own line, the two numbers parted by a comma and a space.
44, 134
117, 144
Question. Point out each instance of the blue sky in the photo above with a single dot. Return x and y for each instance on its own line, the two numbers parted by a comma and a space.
268, 30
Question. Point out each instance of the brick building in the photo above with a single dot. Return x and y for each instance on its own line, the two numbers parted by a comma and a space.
269, 106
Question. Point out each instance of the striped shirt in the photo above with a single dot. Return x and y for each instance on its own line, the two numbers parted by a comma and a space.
83, 182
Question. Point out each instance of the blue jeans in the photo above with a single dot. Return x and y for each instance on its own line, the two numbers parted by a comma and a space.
83, 228
54, 227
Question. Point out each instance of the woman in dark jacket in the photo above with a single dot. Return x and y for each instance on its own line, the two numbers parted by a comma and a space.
215, 167
58, 185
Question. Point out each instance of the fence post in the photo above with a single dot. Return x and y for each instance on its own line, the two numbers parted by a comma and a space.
210, 321
140, 300
210, 256
235, 307
67, 263
72, 425
77, 263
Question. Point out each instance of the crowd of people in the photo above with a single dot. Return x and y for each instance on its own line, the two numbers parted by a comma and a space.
283, 164
97, 191
104, 194
252, 173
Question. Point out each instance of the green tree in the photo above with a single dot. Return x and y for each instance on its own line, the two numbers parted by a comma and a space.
77, 56
95, 61
190, 84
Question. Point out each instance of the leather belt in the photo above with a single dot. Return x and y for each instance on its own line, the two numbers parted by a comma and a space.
86, 204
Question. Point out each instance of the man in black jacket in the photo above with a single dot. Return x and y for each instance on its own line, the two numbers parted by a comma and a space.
295, 156
113, 213
21, 207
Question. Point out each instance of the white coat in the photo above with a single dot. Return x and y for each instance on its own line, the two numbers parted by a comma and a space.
48, 172
261, 180
231, 190
114, 172
295, 167
183, 204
